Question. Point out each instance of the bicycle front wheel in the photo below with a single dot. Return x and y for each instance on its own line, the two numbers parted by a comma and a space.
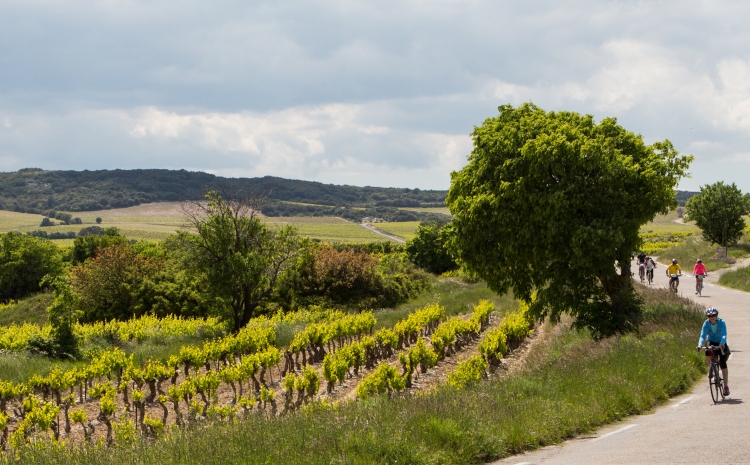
715, 385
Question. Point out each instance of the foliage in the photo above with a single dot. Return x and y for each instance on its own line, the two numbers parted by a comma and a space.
235, 254
105, 283
468, 372
384, 379
718, 211
24, 261
572, 386
324, 274
428, 248
550, 201
89, 240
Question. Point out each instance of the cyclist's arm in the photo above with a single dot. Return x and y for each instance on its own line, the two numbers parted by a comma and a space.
723, 331
704, 330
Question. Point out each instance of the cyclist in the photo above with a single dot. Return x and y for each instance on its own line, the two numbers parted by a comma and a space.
714, 332
650, 266
674, 269
699, 270
641, 260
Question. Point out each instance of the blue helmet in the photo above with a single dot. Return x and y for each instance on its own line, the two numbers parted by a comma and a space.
711, 311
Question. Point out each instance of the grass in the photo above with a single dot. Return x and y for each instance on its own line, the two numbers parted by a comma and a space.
572, 385
439, 210
30, 310
694, 248
457, 298
406, 230
737, 279
663, 232
327, 229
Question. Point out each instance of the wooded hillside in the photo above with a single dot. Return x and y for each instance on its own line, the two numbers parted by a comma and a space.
33, 190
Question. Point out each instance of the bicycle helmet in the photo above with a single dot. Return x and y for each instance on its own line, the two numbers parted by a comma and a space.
711, 311
674, 260
699, 261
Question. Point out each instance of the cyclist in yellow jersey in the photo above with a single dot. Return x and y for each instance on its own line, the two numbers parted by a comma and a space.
674, 270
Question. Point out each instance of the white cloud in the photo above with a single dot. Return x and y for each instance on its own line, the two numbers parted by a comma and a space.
384, 94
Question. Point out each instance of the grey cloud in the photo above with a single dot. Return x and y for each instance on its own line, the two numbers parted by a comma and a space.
76, 77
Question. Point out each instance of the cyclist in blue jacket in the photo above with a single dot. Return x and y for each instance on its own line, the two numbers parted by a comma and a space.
714, 332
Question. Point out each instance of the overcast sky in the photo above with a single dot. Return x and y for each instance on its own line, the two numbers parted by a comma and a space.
380, 93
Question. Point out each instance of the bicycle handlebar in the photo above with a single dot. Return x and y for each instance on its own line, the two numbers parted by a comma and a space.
707, 348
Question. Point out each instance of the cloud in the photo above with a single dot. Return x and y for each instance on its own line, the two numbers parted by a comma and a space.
352, 92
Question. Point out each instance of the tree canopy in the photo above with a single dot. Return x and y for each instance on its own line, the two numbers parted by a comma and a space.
235, 254
551, 203
718, 211
428, 248
24, 262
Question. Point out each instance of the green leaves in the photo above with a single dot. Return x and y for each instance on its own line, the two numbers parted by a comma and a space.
718, 211
552, 201
237, 257
24, 262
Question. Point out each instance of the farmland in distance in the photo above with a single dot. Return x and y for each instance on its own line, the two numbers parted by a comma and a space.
154, 222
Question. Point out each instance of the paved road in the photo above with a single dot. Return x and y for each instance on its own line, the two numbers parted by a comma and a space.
372, 228
691, 428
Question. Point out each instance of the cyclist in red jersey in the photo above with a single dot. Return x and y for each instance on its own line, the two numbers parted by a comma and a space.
699, 271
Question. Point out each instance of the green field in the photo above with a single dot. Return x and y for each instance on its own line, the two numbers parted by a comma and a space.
406, 230
440, 210
326, 228
154, 222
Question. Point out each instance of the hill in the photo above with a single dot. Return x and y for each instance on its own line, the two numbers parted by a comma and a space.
33, 190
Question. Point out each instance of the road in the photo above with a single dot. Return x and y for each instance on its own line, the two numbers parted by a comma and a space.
691, 428
372, 228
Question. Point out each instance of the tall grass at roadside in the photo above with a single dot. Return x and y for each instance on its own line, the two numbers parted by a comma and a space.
695, 248
737, 279
572, 384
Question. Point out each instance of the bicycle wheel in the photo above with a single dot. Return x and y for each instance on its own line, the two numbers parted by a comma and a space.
698, 287
716, 385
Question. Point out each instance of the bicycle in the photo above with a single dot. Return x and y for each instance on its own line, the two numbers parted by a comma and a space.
642, 272
699, 284
674, 281
715, 380
650, 276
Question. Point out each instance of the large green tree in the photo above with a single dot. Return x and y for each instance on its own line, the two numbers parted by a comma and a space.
427, 249
551, 202
236, 255
718, 211
24, 261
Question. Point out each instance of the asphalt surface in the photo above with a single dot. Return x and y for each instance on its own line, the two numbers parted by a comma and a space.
690, 428
372, 228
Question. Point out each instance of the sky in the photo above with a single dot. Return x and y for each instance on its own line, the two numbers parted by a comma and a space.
377, 93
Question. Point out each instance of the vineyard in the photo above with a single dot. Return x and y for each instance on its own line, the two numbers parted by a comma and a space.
332, 356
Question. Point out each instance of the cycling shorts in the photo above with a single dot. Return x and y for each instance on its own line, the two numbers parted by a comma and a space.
722, 357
